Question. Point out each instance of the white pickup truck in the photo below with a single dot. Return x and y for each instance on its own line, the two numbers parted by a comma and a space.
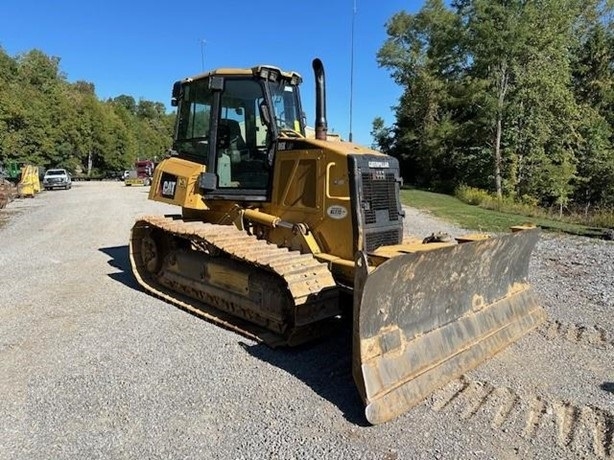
57, 178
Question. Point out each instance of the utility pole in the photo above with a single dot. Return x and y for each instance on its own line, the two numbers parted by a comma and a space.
352, 69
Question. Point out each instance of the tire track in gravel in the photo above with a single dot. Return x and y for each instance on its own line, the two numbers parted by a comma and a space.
577, 428
582, 429
594, 336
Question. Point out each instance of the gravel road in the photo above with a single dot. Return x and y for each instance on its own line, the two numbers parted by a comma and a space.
92, 367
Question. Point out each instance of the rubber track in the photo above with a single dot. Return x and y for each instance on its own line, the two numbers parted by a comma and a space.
304, 274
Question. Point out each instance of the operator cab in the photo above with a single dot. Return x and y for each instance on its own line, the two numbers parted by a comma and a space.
230, 120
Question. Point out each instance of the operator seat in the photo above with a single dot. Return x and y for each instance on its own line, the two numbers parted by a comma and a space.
236, 140
245, 170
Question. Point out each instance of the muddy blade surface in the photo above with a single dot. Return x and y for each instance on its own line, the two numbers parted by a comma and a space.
426, 318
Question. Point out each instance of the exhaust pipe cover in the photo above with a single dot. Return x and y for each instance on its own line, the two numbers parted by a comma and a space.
320, 125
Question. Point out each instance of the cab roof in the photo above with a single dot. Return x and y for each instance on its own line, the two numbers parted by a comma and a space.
264, 71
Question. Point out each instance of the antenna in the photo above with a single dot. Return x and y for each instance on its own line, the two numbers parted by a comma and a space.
352, 69
202, 54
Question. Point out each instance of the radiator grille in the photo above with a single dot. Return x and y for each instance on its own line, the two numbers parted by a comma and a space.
386, 238
376, 204
379, 193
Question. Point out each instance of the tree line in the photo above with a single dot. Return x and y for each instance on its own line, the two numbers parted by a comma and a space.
511, 96
50, 122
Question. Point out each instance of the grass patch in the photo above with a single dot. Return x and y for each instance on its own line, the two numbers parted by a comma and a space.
472, 217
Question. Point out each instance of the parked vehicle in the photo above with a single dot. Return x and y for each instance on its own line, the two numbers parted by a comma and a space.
141, 174
57, 178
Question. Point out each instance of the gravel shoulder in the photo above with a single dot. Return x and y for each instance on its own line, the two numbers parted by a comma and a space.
92, 367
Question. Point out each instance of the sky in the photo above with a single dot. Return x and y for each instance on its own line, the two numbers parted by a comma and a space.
140, 48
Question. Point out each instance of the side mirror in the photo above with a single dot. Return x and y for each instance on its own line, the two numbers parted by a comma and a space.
176, 94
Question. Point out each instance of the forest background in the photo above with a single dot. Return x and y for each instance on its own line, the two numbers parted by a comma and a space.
512, 98
49, 122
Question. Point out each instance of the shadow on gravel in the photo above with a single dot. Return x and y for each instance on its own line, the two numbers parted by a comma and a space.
607, 386
325, 366
120, 259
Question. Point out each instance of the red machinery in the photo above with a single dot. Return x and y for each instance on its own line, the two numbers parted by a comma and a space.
141, 174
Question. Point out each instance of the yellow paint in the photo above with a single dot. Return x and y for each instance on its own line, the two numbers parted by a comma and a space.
388, 252
29, 185
186, 194
472, 237
372, 347
307, 183
232, 280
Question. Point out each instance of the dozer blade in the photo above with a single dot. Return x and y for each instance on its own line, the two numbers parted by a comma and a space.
425, 318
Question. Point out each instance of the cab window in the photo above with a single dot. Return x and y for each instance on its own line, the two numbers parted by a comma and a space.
241, 136
194, 121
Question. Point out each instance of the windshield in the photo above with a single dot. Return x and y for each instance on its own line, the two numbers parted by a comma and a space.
56, 172
285, 106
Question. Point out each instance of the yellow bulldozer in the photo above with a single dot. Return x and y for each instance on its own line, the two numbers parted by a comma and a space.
277, 228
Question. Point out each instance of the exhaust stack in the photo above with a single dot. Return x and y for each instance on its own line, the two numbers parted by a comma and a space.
321, 126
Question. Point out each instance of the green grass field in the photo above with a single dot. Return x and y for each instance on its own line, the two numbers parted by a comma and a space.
471, 217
